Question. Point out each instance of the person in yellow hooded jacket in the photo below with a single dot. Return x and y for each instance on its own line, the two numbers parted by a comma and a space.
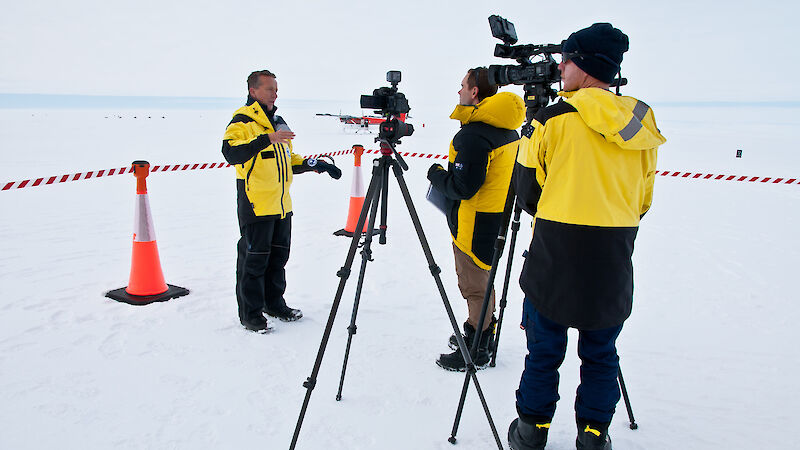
258, 144
476, 182
586, 173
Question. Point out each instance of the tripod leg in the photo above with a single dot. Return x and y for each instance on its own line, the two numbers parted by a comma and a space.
366, 256
504, 298
384, 202
477, 337
498, 251
343, 273
633, 424
435, 270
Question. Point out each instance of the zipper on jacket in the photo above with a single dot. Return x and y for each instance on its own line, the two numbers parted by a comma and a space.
249, 171
283, 181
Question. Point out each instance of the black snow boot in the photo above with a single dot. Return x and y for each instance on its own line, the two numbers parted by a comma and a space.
453, 342
526, 436
592, 436
284, 313
455, 362
256, 323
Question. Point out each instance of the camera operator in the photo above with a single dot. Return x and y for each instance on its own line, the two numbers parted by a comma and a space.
587, 174
259, 144
480, 163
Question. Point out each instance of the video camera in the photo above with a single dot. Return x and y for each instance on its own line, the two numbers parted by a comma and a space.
527, 72
537, 77
388, 102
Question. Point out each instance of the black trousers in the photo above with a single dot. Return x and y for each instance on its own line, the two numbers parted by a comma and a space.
263, 251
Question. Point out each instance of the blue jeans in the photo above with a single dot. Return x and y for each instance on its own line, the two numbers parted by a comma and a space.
598, 392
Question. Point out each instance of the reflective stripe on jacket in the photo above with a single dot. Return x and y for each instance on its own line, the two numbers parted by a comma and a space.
480, 162
587, 173
263, 169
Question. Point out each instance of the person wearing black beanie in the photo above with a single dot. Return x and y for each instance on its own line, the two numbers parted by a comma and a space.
585, 171
596, 50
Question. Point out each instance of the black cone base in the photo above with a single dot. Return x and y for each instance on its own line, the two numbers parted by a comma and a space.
121, 296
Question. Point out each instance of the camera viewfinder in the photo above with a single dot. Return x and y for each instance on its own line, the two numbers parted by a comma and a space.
503, 29
393, 76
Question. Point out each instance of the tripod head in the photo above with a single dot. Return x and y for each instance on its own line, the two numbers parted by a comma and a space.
389, 134
388, 149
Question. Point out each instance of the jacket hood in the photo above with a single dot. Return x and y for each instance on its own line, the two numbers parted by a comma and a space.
255, 111
625, 121
502, 110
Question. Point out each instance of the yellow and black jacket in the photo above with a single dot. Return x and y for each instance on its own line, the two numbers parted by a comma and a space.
586, 172
478, 174
263, 169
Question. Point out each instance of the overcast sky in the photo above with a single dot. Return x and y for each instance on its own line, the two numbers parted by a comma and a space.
681, 50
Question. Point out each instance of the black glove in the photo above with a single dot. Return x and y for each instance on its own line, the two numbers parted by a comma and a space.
332, 170
434, 168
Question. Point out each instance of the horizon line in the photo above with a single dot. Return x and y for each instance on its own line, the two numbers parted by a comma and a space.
28, 100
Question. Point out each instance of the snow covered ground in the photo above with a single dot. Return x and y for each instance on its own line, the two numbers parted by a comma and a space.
709, 354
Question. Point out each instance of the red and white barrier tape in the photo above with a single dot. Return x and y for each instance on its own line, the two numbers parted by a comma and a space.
411, 154
107, 173
711, 176
200, 166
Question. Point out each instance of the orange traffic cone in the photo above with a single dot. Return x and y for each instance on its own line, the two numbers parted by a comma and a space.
357, 193
146, 283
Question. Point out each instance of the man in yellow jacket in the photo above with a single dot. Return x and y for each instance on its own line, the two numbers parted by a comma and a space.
476, 182
586, 173
259, 144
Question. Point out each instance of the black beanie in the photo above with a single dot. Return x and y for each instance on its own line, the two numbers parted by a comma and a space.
600, 48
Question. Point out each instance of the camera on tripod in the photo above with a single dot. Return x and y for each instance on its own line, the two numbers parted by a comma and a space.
386, 100
535, 76
389, 103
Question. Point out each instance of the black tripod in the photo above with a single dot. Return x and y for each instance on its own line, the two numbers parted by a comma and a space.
378, 193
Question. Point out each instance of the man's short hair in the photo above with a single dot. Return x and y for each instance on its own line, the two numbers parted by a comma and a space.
479, 77
254, 78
